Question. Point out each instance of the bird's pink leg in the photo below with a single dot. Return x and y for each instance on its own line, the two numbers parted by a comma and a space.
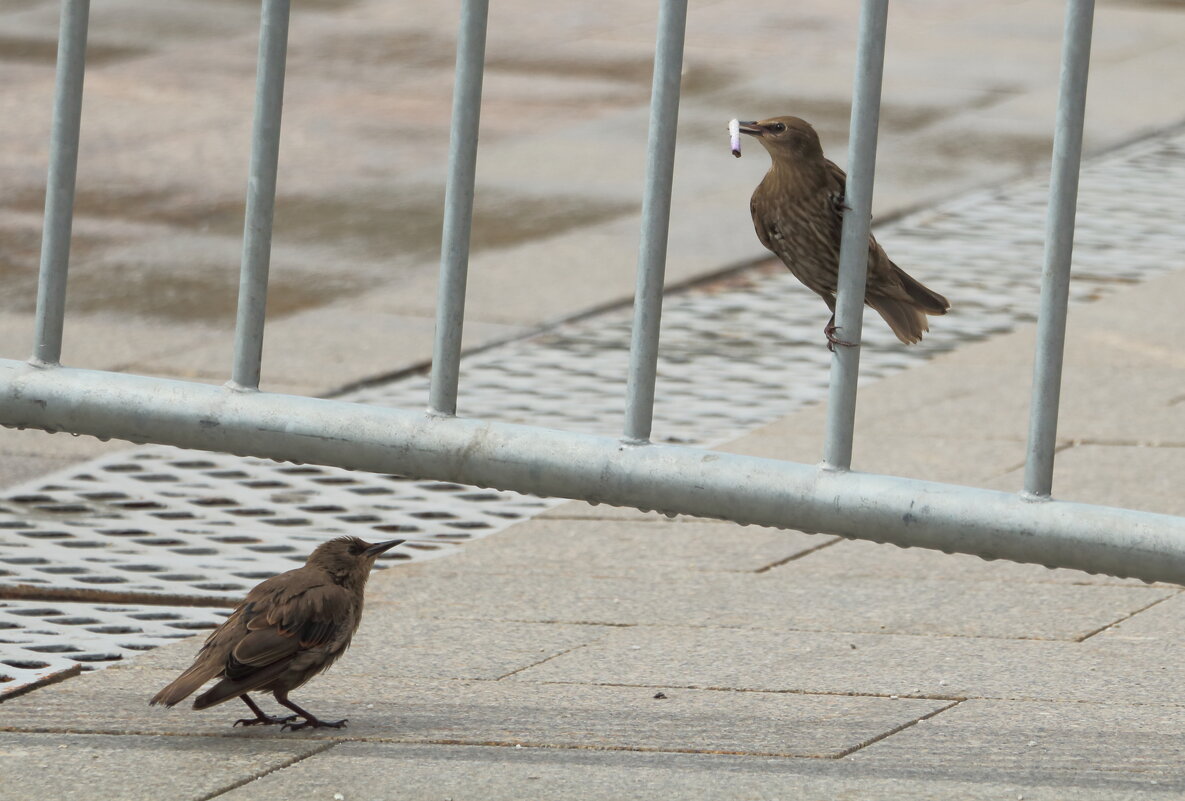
832, 340
260, 718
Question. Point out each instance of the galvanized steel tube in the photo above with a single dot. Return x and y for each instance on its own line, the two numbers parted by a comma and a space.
563, 464
59, 190
656, 218
261, 194
1059, 248
458, 207
853, 253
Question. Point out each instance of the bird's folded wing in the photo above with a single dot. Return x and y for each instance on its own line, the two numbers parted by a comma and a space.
259, 649
279, 626
295, 619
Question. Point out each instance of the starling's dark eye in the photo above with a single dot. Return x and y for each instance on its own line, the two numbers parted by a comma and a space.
356, 549
778, 127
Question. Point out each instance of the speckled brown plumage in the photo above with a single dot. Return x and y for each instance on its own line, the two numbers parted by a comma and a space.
798, 214
287, 630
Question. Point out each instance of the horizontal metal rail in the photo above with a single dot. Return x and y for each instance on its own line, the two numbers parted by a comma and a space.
667, 478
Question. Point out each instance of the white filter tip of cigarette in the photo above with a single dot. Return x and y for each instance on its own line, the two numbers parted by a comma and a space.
734, 136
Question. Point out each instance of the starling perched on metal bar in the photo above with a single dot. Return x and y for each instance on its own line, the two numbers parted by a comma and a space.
290, 628
798, 213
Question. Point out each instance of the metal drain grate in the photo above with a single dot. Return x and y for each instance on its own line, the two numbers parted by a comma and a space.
163, 523
40, 641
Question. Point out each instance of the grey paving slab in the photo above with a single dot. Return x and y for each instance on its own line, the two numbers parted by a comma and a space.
16, 469
82, 767
886, 665
319, 349
852, 559
41, 444
919, 406
944, 395
391, 643
1016, 741
879, 447
581, 510
1097, 335
1150, 411
1107, 327
784, 602
1164, 623
504, 713
463, 773
630, 548
1090, 473
909, 423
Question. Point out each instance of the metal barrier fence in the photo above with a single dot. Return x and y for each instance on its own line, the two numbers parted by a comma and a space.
1028, 526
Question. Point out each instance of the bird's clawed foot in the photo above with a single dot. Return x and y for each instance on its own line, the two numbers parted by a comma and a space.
264, 720
832, 340
313, 723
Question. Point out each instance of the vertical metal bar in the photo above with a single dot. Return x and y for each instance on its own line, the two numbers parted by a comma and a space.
656, 218
59, 188
261, 193
458, 207
1059, 247
853, 253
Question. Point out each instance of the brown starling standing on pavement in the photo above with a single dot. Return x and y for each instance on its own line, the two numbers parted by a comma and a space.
798, 213
290, 628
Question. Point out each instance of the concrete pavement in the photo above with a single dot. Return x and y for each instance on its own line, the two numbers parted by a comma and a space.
594, 653
598, 653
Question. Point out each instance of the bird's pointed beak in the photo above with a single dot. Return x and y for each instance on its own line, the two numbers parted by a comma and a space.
751, 128
375, 550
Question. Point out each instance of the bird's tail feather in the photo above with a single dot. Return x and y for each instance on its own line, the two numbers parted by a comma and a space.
184, 685
926, 299
233, 688
907, 322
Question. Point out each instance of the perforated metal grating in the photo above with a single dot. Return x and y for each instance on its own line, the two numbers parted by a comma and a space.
177, 526
42, 639
208, 527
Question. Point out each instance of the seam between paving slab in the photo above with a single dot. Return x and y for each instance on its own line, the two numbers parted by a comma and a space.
1102, 442
796, 556
796, 630
51, 678
896, 730
298, 758
1015, 466
1022, 699
566, 651
334, 740
1126, 617
762, 691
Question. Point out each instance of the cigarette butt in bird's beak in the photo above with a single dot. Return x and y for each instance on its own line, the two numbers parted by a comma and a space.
375, 550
